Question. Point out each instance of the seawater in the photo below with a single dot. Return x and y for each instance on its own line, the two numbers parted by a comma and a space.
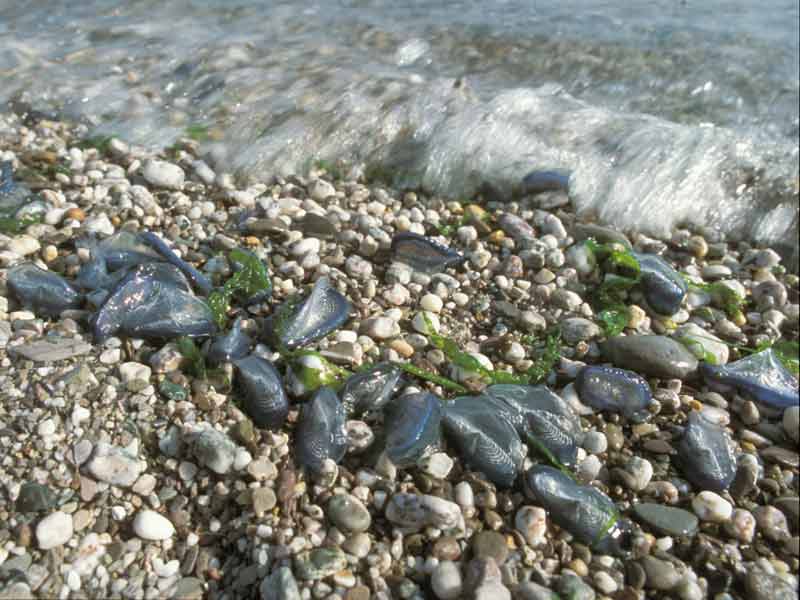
665, 112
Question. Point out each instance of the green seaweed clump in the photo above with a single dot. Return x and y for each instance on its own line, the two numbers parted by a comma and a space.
251, 279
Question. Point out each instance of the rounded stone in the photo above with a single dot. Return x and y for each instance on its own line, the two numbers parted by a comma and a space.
54, 530
348, 513
490, 544
661, 574
163, 174
446, 581
667, 520
709, 506
531, 522
150, 525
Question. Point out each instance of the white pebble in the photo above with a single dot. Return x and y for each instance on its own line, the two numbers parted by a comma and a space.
133, 371
421, 320
431, 303
163, 174
709, 506
531, 522
149, 525
446, 581
54, 530
791, 422
437, 465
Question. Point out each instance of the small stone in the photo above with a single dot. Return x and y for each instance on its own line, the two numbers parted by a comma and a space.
742, 526
264, 500
605, 583
150, 525
528, 590
661, 574
134, 372
595, 442
114, 465
348, 513
54, 530
415, 511
319, 563
213, 449
321, 189
51, 349
667, 520
490, 544
380, 328
709, 506
574, 588
437, 465
446, 581
577, 329
23, 245
163, 174
431, 303
492, 591
531, 522
791, 423
636, 474
35, 497
760, 585
423, 320
772, 523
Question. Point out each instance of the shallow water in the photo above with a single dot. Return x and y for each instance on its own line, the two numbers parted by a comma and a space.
665, 112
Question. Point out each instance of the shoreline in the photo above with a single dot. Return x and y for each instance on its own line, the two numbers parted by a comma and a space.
134, 509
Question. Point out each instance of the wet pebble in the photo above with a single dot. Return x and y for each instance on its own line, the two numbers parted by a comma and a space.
446, 581
667, 520
490, 544
348, 513
163, 174
709, 506
661, 574
531, 522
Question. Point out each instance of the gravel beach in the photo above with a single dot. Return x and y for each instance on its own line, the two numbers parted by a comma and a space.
126, 472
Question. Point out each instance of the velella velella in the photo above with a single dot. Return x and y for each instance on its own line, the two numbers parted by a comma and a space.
423, 254
584, 511
663, 287
370, 390
321, 312
761, 375
199, 280
615, 390
485, 438
705, 454
535, 410
231, 345
124, 250
13, 195
412, 424
321, 432
264, 399
43, 292
153, 302
536, 182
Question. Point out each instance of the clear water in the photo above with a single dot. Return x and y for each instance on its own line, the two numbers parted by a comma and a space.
665, 112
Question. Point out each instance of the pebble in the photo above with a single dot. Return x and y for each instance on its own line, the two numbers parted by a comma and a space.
152, 526
114, 465
264, 500
213, 450
595, 442
772, 523
418, 510
578, 329
661, 574
163, 174
791, 423
24, 245
667, 520
431, 303
380, 328
132, 371
637, 473
531, 522
348, 513
54, 530
437, 465
446, 581
709, 506
742, 526
574, 588
490, 544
